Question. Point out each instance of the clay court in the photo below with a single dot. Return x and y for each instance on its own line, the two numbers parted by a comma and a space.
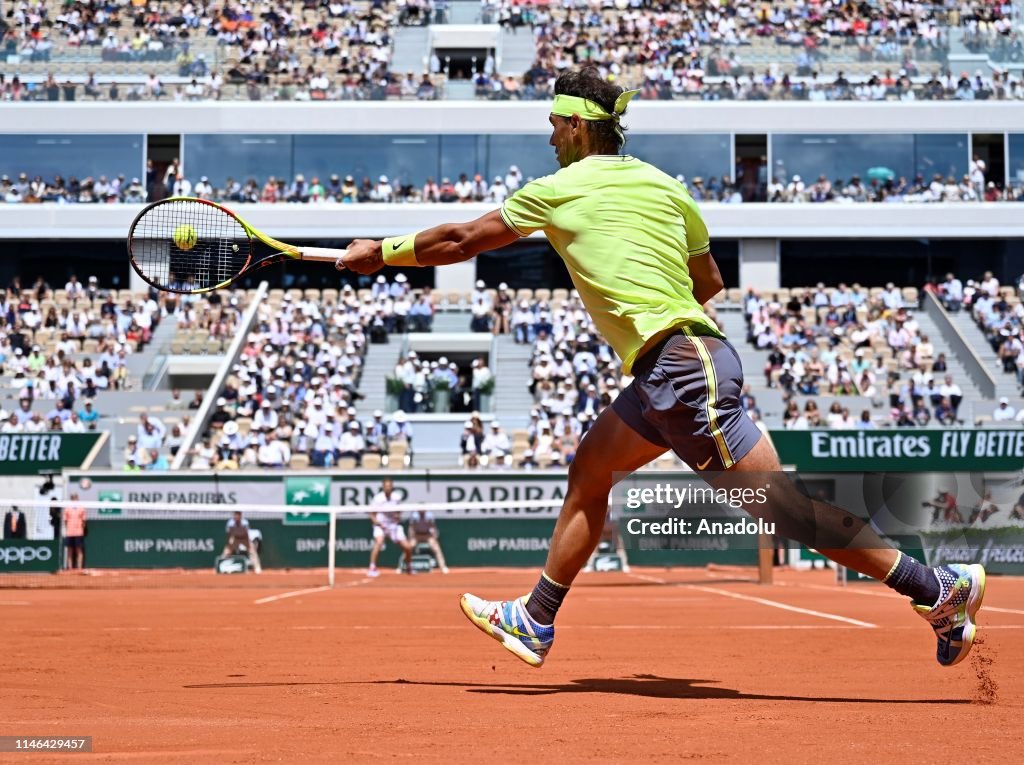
653, 665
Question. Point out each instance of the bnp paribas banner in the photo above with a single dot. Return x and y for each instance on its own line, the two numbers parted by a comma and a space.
307, 491
32, 453
908, 450
178, 491
462, 487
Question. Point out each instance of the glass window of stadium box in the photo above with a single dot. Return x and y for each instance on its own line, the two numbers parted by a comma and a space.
869, 155
703, 155
1015, 159
69, 155
237, 156
414, 158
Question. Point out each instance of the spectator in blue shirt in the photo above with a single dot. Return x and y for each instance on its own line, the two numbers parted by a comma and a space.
89, 415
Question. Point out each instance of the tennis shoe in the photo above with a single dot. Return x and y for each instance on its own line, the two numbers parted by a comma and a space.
952, 616
508, 622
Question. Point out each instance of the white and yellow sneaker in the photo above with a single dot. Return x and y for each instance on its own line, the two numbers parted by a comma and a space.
952, 617
508, 622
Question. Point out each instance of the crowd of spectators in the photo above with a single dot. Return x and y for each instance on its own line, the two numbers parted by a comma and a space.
883, 187
846, 341
294, 53
60, 348
999, 314
111, 31
334, 188
294, 390
573, 375
672, 48
311, 84
773, 84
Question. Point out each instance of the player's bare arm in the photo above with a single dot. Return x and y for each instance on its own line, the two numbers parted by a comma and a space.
437, 246
707, 280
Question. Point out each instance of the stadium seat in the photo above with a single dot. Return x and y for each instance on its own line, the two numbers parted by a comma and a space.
372, 462
398, 452
542, 293
347, 463
299, 462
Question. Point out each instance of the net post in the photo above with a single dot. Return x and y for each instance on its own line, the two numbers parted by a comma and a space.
332, 535
765, 558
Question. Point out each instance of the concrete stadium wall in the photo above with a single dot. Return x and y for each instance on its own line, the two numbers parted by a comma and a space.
472, 117
743, 221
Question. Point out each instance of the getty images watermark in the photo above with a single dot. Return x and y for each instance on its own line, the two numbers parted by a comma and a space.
690, 509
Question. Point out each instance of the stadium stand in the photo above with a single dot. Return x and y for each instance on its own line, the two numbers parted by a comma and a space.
344, 51
882, 361
118, 189
985, 306
75, 360
192, 51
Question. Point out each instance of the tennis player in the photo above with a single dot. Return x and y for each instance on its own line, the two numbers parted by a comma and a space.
638, 252
388, 525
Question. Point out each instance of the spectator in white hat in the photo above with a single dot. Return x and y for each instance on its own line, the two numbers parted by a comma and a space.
1004, 412
513, 179
351, 443
383, 191
496, 441
400, 429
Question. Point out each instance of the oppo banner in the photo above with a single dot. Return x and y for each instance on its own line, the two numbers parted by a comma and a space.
28, 556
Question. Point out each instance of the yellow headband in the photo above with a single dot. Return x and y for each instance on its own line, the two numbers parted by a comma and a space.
566, 106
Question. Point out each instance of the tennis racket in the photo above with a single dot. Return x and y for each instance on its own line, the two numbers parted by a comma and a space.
193, 246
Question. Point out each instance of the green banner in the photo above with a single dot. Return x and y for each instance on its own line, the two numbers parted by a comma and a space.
725, 549
196, 543
307, 491
29, 556
908, 450
1000, 550
30, 453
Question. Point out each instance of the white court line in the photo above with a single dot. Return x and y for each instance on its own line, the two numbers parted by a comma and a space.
1002, 610
853, 589
15, 603
292, 594
888, 594
309, 591
763, 602
561, 628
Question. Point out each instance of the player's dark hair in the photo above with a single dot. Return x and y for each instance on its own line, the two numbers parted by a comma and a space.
587, 82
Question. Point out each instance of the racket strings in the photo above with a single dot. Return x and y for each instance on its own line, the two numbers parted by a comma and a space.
188, 246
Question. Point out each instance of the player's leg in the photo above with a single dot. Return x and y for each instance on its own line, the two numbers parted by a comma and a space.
724, 439
397, 535
611, 450
254, 559
435, 547
378, 543
525, 626
816, 524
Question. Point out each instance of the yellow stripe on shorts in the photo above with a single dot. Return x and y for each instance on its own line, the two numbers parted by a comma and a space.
712, 397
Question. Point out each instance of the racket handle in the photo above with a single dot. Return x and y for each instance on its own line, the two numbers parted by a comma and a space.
322, 254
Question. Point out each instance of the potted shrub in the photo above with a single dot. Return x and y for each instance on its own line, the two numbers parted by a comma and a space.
486, 392
442, 393
393, 388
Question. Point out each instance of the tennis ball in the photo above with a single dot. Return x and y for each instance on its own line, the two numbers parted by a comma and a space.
185, 236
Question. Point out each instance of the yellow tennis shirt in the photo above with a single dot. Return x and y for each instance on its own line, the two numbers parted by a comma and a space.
626, 231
